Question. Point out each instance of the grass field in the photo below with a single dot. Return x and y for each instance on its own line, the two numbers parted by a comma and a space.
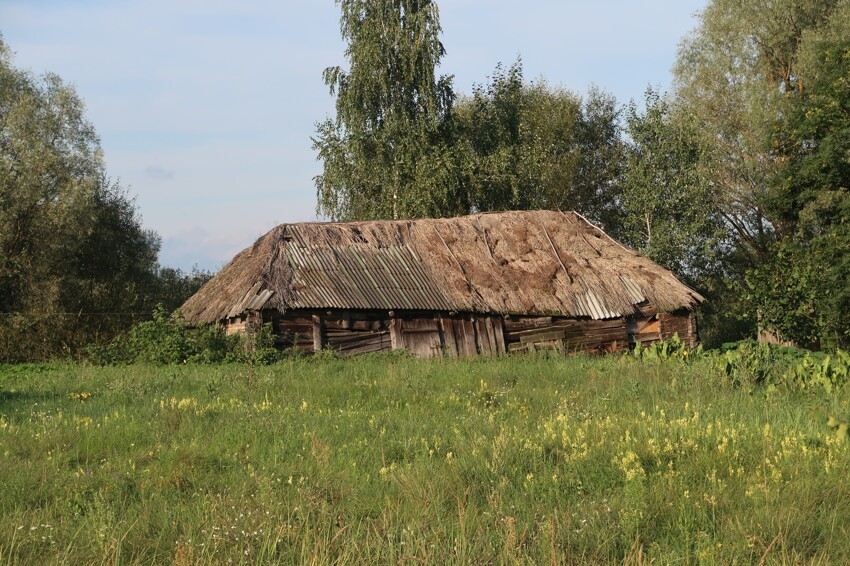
387, 459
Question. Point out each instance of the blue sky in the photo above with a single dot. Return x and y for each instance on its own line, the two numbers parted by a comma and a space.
205, 108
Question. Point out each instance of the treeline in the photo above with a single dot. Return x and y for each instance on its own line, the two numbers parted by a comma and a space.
737, 179
76, 265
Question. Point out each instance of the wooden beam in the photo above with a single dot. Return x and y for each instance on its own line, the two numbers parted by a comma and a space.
396, 339
317, 333
448, 336
499, 333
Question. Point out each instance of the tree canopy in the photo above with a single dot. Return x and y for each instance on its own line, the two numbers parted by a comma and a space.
384, 154
76, 263
529, 145
736, 74
802, 290
667, 195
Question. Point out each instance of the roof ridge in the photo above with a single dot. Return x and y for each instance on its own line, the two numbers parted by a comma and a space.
538, 262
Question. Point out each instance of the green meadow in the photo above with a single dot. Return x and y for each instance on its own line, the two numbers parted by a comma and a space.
387, 459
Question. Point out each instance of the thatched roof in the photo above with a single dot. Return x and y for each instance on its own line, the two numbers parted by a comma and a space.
537, 262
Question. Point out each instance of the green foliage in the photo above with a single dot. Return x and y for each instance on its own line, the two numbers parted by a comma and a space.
788, 292
530, 146
749, 364
830, 372
764, 87
174, 286
258, 346
70, 240
385, 154
735, 77
667, 350
163, 340
76, 265
667, 197
811, 190
384, 459
802, 289
723, 317
166, 340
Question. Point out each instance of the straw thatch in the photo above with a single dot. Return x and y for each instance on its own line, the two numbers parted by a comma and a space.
532, 263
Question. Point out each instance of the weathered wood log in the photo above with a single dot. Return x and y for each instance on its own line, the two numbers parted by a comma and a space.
317, 333
542, 336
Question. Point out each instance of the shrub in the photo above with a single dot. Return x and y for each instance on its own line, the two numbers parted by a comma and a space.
165, 339
212, 345
829, 372
667, 350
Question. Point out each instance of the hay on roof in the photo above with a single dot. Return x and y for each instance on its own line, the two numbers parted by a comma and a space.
522, 262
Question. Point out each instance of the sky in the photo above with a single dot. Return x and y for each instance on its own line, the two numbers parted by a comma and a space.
205, 108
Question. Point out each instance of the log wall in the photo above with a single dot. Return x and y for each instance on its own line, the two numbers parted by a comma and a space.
428, 334
565, 335
425, 334
683, 323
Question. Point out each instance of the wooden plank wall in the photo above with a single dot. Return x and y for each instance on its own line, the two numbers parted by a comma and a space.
346, 332
350, 333
565, 335
432, 335
425, 334
644, 329
297, 331
682, 323
250, 319
235, 325
471, 335
420, 336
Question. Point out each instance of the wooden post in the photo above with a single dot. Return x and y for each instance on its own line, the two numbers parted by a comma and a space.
317, 333
499, 333
396, 339
491, 335
693, 331
447, 334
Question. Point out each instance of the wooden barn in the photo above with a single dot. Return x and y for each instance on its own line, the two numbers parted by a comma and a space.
484, 284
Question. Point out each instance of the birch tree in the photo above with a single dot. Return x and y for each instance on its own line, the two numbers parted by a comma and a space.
385, 153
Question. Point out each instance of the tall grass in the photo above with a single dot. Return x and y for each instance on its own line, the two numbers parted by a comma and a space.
385, 459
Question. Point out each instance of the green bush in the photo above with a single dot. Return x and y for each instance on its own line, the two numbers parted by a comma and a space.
213, 346
749, 364
829, 372
667, 350
163, 340
166, 340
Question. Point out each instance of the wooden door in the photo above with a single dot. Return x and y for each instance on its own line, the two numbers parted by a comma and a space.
421, 336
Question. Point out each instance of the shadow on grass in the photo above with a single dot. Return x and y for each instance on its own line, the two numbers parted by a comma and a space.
25, 397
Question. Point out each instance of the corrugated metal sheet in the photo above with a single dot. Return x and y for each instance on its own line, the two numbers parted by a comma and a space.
591, 306
358, 276
242, 305
260, 300
254, 299
635, 294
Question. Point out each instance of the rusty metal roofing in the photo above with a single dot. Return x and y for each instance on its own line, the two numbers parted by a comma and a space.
361, 276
